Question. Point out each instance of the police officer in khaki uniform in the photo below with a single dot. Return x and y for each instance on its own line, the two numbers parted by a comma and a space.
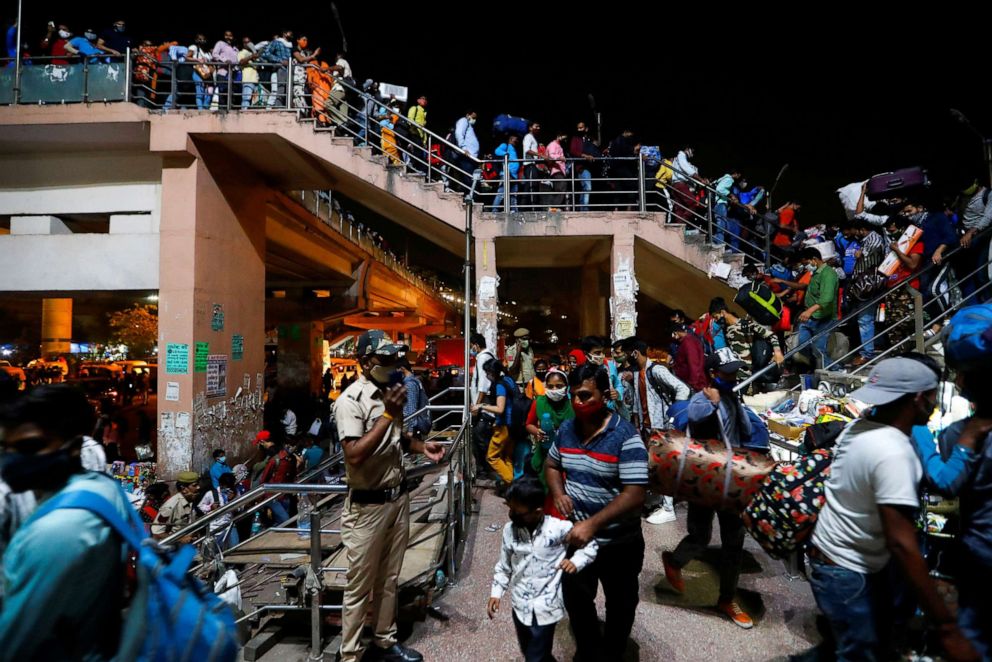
178, 511
375, 525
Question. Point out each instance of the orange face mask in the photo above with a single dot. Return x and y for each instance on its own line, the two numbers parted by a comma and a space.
302, 43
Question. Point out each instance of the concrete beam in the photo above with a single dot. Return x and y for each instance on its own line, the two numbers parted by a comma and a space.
38, 225
32, 263
97, 199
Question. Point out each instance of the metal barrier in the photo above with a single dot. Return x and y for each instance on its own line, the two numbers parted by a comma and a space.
62, 80
872, 304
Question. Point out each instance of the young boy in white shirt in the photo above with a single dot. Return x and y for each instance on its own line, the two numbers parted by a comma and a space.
531, 563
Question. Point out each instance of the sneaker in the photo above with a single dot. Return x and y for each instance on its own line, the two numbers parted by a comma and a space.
733, 611
661, 515
859, 361
672, 574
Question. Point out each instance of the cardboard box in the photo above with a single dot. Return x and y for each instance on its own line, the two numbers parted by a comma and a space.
909, 237
784, 429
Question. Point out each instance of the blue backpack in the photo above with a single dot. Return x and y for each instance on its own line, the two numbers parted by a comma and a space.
171, 616
967, 338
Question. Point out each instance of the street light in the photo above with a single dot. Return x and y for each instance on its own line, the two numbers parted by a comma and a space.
986, 142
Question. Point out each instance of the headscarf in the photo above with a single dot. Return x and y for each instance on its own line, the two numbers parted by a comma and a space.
580, 357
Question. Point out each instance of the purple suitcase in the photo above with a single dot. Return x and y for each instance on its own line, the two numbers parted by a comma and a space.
897, 184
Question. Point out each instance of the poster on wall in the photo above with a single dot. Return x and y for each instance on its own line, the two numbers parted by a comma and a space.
237, 347
200, 356
217, 318
172, 391
216, 375
177, 358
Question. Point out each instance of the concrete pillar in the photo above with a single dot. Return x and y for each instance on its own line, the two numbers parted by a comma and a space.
486, 289
211, 296
56, 326
300, 362
623, 288
592, 303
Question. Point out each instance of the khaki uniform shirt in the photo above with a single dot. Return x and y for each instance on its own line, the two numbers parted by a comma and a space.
175, 513
356, 412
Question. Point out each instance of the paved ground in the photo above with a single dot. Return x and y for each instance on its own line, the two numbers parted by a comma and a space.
669, 627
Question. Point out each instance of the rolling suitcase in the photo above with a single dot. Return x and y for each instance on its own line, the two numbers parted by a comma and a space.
897, 184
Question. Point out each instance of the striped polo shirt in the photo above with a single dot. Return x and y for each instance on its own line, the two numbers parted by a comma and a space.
595, 473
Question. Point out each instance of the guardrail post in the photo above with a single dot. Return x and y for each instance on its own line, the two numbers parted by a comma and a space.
430, 166
918, 319
641, 192
768, 245
127, 74
709, 216
289, 84
506, 185
316, 650
86, 80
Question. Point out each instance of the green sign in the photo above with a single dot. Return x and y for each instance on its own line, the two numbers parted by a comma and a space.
217, 319
200, 357
177, 358
237, 347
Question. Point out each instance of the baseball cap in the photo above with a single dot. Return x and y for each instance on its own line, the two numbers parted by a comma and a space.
893, 378
376, 341
725, 360
261, 436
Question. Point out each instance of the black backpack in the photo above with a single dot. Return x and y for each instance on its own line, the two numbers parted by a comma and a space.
519, 407
664, 390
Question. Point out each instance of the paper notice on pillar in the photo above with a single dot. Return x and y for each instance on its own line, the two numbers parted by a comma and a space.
625, 327
246, 384
259, 384
217, 318
172, 391
177, 358
200, 357
183, 420
216, 375
623, 284
166, 424
487, 287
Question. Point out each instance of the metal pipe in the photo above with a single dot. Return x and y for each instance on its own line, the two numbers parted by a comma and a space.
279, 529
17, 55
641, 192
86, 80
304, 489
709, 217
127, 74
289, 83
918, 319
316, 650
506, 185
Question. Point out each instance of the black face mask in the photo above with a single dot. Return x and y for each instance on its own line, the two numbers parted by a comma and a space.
45, 472
541, 374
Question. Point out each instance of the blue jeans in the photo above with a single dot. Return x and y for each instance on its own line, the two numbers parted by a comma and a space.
725, 223
535, 640
279, 511
247, 90
866, 327
202, 102
522, 453
853, 603
809, 329
585, 181
497, 203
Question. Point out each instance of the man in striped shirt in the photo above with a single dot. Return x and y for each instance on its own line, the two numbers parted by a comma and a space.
597, 472
869, 256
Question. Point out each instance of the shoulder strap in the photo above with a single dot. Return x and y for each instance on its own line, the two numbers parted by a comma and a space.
659, 386
96, 504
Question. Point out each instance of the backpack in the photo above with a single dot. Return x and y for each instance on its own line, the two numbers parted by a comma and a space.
822, 436
519, 405
758, 301
703, 329
784, 510
424, 422
967, 338
171, 615
664, 390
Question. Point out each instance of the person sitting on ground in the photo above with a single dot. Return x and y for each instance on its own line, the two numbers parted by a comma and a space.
532, 559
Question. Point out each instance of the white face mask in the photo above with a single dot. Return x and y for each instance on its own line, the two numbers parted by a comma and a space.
524, 344
556, 394
597, 359
471, 121
65, 34
811, 268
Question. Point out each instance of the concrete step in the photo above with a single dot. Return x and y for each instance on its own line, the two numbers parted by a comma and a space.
342, 140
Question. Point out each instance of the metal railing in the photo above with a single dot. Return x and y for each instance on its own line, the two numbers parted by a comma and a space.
915, 315
336, 105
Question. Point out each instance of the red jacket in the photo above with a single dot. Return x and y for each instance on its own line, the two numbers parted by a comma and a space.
690, 363
280, 469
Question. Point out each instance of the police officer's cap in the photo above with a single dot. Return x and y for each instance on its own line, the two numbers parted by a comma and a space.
376, 342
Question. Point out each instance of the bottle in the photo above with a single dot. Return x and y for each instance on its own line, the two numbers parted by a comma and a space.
880, 317
303, 510
548, 428
256, 525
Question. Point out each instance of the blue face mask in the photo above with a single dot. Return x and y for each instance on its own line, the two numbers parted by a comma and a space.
472, 353
724, 384
222, 459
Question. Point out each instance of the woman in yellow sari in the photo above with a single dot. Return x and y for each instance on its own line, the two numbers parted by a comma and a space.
389, 147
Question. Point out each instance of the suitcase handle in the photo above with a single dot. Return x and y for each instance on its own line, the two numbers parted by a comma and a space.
894, 183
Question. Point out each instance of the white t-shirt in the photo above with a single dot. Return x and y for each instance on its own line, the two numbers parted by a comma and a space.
480, 380
530, 145
343, 63
873, 465
92, 455
289, 422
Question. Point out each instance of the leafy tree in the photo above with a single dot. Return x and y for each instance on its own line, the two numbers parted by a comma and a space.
136, 327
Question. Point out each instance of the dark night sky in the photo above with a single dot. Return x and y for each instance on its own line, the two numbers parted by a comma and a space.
838, 97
